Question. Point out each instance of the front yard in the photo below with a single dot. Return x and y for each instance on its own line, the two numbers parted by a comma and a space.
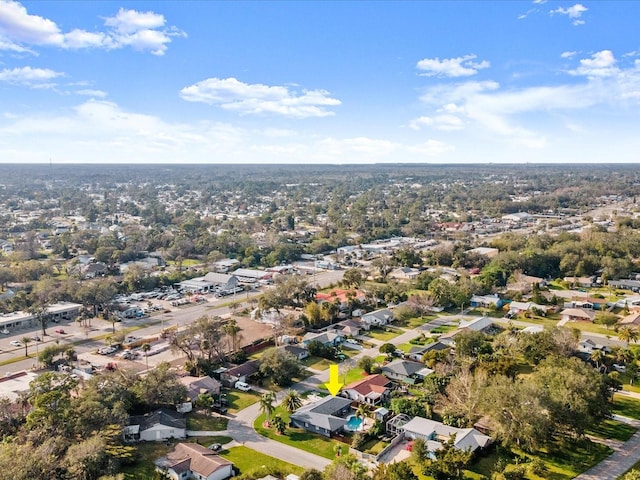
200, 421
240, 400
258, 465
384, 334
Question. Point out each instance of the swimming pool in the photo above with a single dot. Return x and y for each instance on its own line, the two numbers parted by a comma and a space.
353, 423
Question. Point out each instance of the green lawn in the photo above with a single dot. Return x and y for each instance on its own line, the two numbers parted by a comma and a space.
613, 429
626, 406
203, 422
405, 347
298, 437
591, 327
416, 321
240, 400
443, 329
384, 334
256, 464
317, 363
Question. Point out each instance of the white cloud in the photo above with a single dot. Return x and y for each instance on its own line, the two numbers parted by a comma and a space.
33, 77
601, 64
567, 54
143, 31
131, 21
451, 67
91, 93
509, 112
234, 95
444, 122
574, 13
431, 148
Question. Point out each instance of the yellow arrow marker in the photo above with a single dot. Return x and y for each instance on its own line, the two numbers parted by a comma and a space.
334, 384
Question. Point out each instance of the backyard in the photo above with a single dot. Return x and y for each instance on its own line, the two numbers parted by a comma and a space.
240, 400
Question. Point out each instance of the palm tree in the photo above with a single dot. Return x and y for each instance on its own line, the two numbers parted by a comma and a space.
279, 424
145, 348
231, 329
627, 334
26, 341
291, 401
597, 356
267, 405
362, 411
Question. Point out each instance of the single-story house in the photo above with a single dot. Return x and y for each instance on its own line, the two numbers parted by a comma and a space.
589, 303
329, 339
298, 352
340, 296
191, 460
404, 273
589, 346
417, 352
631, 320
349, 328
325, 417
156, 426
371, 390
519, 307
633, 285
224, 265
240, 373
377, 318
196, 386
476, 325
524, 283
584, 282
486, 301
577, 315
435, 433
405, 371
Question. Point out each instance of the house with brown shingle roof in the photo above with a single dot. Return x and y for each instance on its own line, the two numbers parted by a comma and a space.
631, 320
372, 390
190, 460
577, 315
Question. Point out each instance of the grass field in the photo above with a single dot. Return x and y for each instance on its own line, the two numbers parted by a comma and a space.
240, 400
203, 422
257, 464
626, 406
613, 429
384, 335
317, 363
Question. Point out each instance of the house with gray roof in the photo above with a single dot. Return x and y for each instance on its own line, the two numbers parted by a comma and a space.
406, 371
435, 433
190, 460
328, 339
377, 318
325, 417
156, 426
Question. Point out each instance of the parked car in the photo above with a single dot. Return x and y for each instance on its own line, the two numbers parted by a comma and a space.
15, 343
619, 368
215, 447
242, 386
36, 338
59, 330
5, 332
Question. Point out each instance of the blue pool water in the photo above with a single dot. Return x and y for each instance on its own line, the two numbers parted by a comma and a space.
353, 423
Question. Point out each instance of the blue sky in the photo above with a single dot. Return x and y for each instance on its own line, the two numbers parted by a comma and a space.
319, 82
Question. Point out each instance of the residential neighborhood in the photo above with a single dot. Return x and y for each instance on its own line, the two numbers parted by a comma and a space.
187, 360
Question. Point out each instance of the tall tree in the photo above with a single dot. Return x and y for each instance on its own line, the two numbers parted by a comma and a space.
292, 401
267, 405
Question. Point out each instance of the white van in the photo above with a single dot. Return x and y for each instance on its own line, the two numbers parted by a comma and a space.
245, 387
